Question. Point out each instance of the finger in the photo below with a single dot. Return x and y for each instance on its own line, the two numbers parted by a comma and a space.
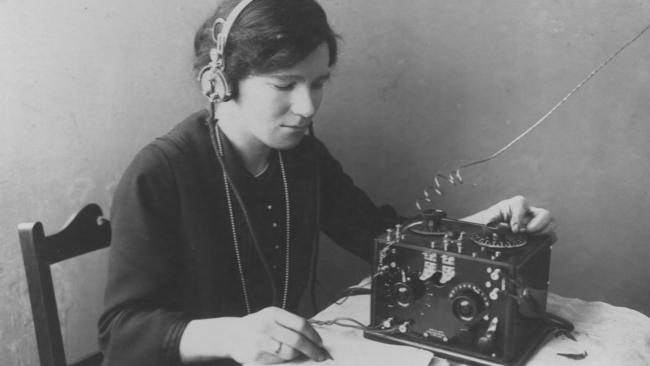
284, 352
552, 225
549, 228
496, 213
298, 325
269, 353
519, 209
295, 344
269, 357
492, 215
523, 226
541, 221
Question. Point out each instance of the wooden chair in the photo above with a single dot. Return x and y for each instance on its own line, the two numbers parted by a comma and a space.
85, 232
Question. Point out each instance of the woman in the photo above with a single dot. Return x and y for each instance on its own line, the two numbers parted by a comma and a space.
215, 224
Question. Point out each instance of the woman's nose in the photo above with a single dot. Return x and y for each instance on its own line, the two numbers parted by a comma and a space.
304, 102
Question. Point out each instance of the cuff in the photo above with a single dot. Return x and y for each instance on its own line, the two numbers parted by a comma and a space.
171, 343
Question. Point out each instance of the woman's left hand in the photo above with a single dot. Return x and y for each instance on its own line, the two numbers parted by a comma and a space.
519, 214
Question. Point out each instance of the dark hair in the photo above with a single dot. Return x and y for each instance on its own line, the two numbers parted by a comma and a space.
269, 35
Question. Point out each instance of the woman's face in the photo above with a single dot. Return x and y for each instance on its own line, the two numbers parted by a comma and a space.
276, 109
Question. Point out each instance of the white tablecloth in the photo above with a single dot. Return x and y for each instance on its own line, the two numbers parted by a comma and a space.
609, 335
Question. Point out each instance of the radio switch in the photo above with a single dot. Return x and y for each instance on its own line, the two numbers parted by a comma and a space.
404, 327
494, 294
495, 275
387, 323
486, 342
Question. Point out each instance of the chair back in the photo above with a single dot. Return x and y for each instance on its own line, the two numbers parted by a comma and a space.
85, 232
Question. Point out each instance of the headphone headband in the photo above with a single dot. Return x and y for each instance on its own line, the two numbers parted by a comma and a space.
222, 37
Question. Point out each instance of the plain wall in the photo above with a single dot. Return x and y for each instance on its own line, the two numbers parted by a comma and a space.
85, 84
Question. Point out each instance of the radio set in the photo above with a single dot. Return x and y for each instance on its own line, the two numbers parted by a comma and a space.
468, 292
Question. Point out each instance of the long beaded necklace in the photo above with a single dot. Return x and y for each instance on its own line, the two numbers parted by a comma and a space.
233, 228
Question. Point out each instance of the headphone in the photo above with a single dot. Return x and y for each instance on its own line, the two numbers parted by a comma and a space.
213, 80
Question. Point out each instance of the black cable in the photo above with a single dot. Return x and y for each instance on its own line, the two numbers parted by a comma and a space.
352, 291
348, 322
555, 321
314, 254
559, 322
212, 125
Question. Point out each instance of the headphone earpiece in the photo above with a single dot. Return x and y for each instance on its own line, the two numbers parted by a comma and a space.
213, 81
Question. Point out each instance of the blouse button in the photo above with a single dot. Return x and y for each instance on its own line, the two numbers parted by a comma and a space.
275, 224
277, 246
275, 266
269, 207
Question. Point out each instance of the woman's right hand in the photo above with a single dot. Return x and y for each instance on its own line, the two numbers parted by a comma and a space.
271, 335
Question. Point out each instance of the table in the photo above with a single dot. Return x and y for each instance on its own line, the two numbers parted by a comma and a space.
610, 335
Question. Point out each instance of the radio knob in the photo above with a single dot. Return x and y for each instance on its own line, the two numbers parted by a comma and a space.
405, 293
467, 305
433, 218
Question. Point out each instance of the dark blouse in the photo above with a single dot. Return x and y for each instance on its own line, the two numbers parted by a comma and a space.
172, 257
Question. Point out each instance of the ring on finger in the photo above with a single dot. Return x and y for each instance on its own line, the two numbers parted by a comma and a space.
277, 350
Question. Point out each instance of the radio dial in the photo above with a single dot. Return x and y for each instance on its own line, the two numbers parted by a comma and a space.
468, 302
405, 293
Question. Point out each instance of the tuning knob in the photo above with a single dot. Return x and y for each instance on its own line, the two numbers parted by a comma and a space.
498, 236
432, 219
467, 302
406, 293
498, 231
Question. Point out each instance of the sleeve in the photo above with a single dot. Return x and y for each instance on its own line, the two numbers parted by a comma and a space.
143, 321
347, 215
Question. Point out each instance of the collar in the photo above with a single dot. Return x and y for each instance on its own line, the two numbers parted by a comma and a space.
235, 166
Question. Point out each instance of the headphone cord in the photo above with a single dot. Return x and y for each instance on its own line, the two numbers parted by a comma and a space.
212, 125
316, 246
212, 122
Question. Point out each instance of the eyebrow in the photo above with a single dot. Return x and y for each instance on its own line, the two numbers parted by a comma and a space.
281, 76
